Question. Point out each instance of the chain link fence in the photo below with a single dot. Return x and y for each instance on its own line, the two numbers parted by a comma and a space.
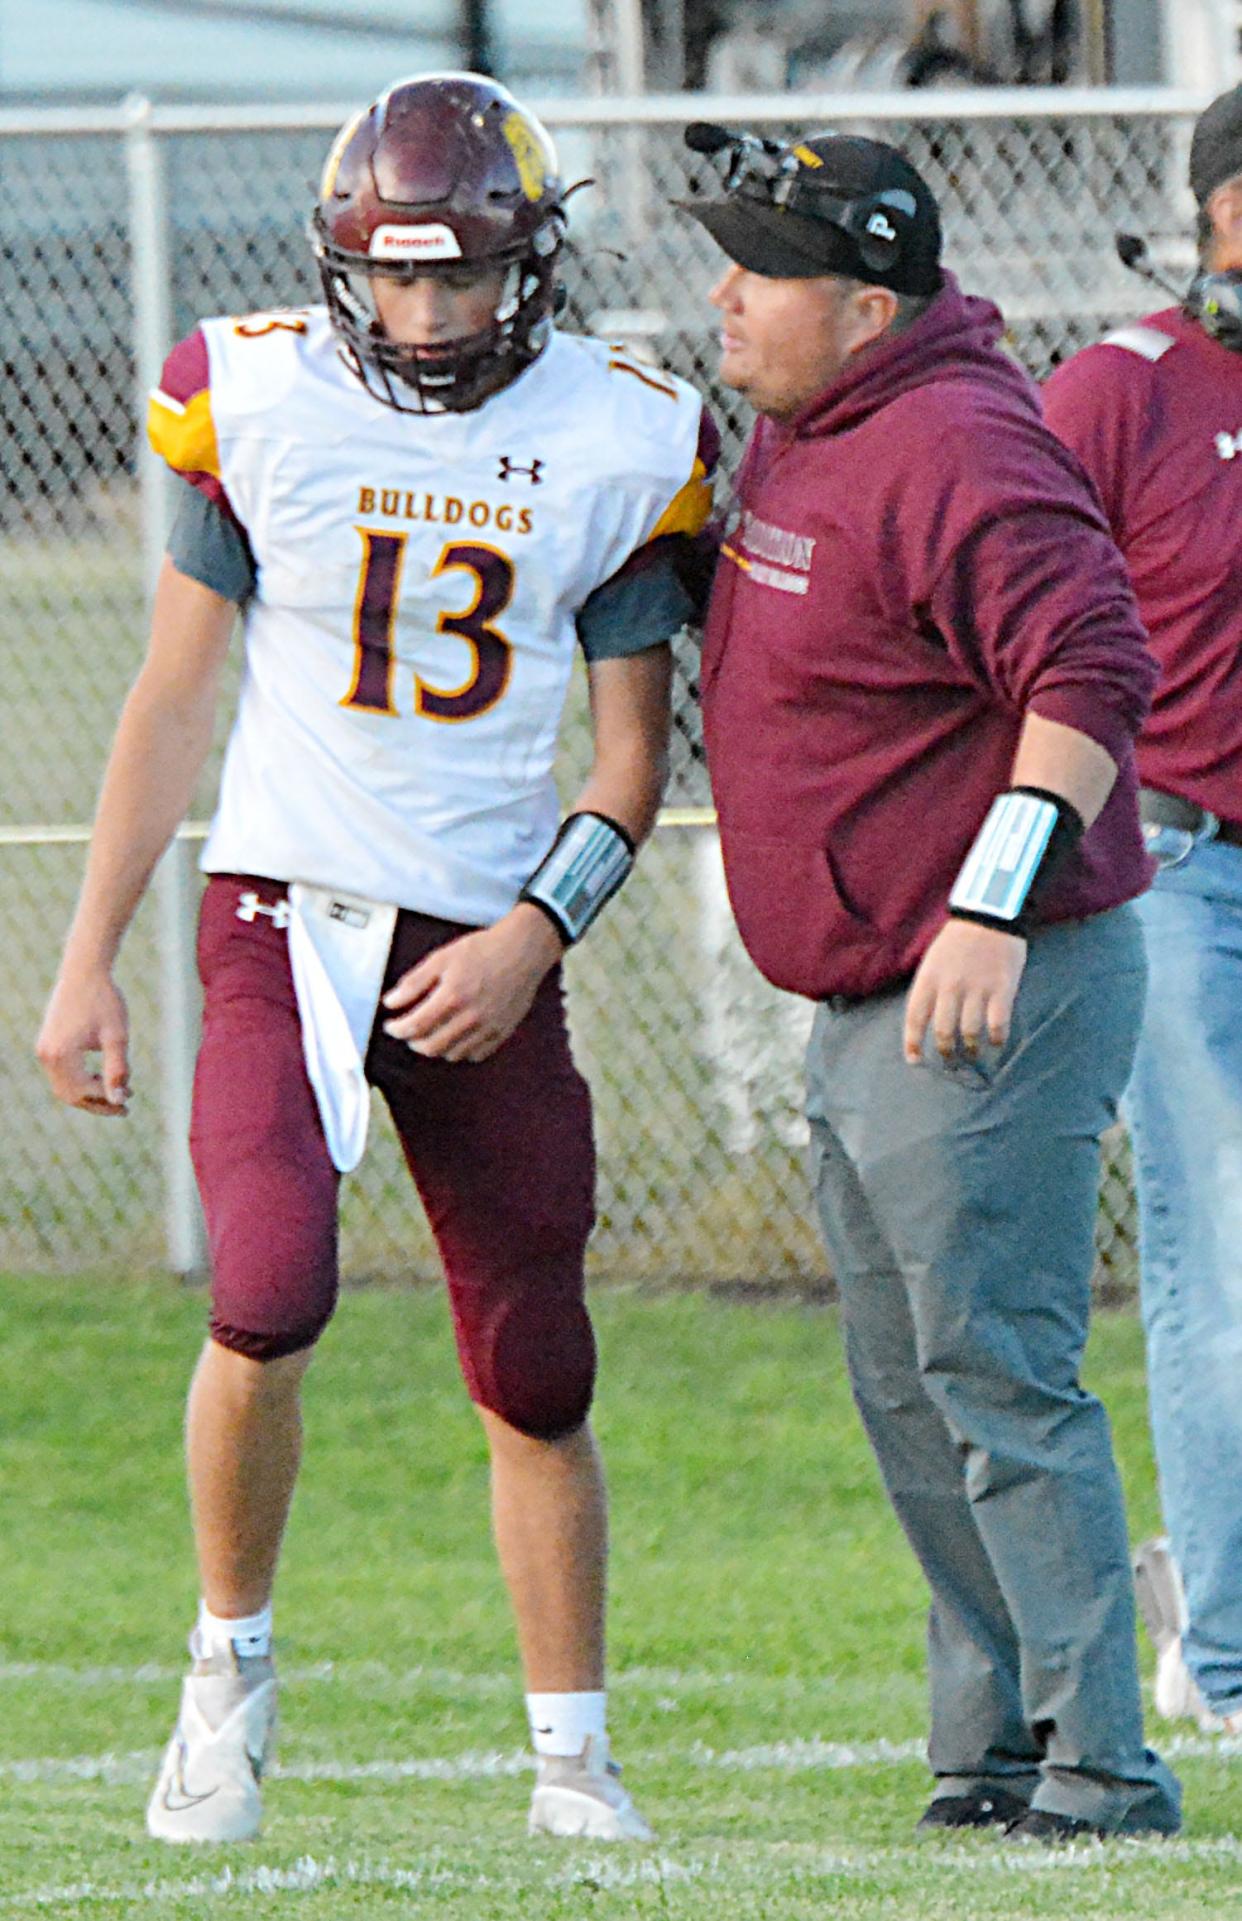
116, 234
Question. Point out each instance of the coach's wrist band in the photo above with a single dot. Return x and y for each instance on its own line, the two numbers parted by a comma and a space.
586, 864
1027, 834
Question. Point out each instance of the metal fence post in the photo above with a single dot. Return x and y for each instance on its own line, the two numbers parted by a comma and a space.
174, 879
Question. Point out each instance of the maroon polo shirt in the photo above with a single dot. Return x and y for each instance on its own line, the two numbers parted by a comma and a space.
1155, 415
914, 563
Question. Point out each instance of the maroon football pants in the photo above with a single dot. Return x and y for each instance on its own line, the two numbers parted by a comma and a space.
501, 1151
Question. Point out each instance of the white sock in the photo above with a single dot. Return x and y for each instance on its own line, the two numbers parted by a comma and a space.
561, 1723
250, 1634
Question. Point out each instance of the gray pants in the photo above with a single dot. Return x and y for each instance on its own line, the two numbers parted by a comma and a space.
958, 1205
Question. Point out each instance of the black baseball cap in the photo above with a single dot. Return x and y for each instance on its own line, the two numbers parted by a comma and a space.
1216, 145
848, 206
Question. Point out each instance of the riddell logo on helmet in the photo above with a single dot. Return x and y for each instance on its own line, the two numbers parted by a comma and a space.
434, 241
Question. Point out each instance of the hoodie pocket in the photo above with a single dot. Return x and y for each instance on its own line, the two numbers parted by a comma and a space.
797, 926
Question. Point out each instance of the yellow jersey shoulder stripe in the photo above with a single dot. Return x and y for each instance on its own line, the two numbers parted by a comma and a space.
687, 511
183, 432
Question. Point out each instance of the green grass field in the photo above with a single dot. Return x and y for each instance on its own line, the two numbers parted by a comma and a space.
766, 1638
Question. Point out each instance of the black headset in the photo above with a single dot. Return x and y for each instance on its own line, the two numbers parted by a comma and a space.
878, 223
1213, 299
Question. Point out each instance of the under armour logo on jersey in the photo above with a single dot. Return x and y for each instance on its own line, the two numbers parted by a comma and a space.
533, 473
249, 907
1229, 446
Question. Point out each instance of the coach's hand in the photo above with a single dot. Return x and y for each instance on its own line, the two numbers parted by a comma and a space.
464, 1000
965, 988
86, 1015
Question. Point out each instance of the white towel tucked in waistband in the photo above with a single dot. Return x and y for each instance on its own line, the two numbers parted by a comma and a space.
338, 949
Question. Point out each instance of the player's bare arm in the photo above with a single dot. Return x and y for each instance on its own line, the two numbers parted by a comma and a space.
464, 1000
161, 743
968, 980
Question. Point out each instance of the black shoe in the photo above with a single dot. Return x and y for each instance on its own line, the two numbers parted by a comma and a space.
981, 1808
1052, 1830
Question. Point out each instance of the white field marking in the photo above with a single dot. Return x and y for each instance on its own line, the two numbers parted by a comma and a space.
783, 1757
636, 1871
739, 1865
307, 1875
786, 1757
455, 1680
805, 1858
801, 1757
156, 1674
1203, 1747
1151, 1850
137, 1767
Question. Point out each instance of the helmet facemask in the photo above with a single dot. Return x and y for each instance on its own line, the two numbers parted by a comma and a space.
457, 375
444, 175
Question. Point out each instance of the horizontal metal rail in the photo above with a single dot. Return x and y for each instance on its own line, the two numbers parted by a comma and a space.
649, 110
77, 833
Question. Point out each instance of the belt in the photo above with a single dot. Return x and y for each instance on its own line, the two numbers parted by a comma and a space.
845, 1003
1169, 810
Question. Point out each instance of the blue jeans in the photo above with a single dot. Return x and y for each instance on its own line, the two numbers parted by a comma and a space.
1184, 1108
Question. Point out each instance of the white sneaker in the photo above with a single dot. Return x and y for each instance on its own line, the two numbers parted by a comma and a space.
581, 1794
1176, 1694
208, 1786
1162, 1604
1178, 1698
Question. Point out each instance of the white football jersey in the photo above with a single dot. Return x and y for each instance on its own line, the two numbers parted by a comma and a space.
410, 639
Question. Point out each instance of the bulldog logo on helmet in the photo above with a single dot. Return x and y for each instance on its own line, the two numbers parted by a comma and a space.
527, 153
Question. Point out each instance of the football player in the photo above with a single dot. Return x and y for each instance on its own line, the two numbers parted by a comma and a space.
423, 498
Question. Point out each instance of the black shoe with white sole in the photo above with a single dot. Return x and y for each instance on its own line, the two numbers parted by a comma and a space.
1042, 1826
980, 1808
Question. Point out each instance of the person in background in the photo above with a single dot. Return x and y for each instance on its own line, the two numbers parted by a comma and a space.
1154, 412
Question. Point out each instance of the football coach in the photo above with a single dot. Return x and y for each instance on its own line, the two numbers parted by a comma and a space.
923, 673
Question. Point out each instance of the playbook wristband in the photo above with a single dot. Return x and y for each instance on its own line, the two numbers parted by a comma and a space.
586, 864
1027, 835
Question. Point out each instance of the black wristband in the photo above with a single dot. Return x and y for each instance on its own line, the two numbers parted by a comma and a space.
581, 872
1027, 836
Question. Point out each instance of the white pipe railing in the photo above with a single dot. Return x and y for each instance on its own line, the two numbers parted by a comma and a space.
174, 879
651, 110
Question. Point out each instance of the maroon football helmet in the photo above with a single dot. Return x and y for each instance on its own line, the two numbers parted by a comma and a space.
442, 174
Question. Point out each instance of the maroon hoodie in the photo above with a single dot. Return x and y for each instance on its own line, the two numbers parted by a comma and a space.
915, 561
1156, 419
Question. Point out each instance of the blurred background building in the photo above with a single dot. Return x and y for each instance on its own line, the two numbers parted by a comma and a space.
94, 51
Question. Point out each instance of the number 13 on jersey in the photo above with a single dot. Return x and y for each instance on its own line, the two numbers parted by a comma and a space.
375, 614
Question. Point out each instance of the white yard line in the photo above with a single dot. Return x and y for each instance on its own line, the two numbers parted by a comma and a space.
801, 1757
783, 1757
741, 1865
457, 1680
307, 1875
788, 1757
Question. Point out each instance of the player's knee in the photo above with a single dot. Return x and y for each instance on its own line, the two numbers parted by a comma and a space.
267, 1344
267, 1305
534, 1366
275, 1278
